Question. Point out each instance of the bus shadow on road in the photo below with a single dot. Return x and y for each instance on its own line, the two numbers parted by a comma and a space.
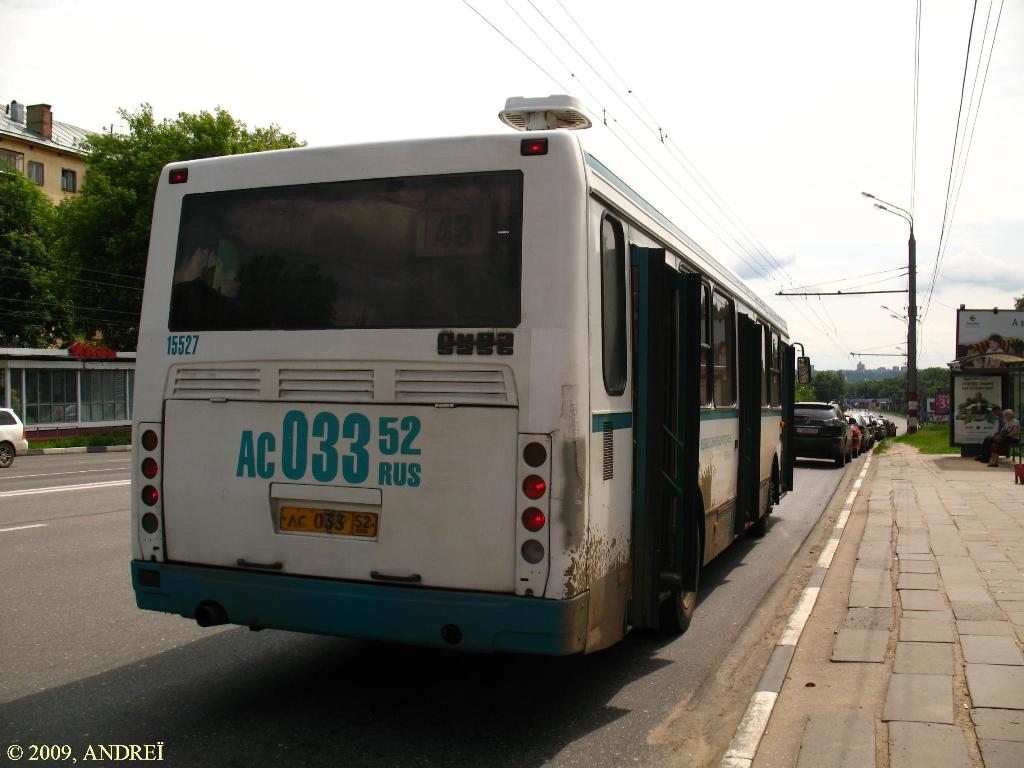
277, 698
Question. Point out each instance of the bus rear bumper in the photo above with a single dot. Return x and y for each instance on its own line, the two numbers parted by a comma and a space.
412, 615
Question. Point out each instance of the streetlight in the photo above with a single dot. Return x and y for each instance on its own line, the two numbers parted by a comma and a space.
895, 210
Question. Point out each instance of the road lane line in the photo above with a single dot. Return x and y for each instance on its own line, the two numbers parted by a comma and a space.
22, 527
69, 472
60, 488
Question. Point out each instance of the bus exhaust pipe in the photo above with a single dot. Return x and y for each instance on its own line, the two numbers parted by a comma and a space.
210, 615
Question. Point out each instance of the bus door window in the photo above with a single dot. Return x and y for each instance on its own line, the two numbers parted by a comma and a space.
706, 361
613, 306
724, 338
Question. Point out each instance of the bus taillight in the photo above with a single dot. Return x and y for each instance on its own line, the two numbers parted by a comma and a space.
533, 519
535, 454
150, 468
534, 486
150, 496
150, 440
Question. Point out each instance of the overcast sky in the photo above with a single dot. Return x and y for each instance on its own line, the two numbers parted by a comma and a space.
788, 109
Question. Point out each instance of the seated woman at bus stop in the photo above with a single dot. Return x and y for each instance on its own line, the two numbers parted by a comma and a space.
1008, 434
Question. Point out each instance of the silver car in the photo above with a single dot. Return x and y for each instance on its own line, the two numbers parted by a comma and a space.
12, 437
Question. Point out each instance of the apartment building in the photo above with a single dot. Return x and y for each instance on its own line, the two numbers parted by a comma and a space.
50, 152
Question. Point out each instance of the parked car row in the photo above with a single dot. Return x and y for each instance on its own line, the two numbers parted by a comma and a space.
823, 431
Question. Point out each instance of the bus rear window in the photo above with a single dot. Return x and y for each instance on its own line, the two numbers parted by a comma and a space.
414, 252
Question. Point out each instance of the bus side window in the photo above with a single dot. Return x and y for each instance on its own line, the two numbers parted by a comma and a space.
724, 337
766, 364
613, 306
706, 364
776, 370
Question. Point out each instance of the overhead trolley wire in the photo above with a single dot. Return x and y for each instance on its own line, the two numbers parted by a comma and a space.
818, 324
656, 131
958, 164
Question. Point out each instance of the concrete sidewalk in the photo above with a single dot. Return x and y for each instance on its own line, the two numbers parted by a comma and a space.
912, 654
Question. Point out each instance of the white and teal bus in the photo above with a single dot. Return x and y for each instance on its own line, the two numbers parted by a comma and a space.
471, 393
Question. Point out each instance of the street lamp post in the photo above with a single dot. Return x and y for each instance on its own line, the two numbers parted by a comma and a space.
911, 310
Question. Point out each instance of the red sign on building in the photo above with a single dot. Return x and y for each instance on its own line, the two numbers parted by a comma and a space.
80, 350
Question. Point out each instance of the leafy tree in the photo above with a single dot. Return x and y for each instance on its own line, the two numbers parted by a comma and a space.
34, 307
829, 386
1019, 303
804, 393
105, 229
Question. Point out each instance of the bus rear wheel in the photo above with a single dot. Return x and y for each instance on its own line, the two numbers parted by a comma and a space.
677, 611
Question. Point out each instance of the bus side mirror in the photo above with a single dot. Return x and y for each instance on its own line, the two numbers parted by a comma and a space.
803, 370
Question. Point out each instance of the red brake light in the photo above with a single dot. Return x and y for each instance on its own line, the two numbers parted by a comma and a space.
534, 487
150, 496
149, 440
533, 519
530, 147
149, 468
178, 175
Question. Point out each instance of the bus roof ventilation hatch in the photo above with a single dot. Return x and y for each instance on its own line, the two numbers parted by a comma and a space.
545, 113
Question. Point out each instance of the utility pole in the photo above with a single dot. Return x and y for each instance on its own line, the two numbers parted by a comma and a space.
912, 336
911, 310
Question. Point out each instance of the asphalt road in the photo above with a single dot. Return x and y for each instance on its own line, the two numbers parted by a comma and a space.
80, 665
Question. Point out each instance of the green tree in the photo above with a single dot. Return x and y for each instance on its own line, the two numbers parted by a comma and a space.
34, 306
104, 231
1019, 303
829, 386
804, 393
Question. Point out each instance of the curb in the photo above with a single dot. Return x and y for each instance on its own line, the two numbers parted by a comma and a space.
77, 449
745, 741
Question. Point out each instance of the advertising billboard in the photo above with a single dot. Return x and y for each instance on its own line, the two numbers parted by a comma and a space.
977, 401
984, 331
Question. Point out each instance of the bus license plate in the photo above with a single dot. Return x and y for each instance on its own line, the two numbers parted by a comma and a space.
330, 521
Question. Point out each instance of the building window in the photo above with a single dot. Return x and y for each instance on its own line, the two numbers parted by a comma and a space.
10, 159
50, 397
68, 180
104, 395
613, 306
35, 172
724, 337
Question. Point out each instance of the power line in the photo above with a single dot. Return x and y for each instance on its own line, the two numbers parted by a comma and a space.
847, 279
509, 41
962, 171
820, 323
702, 183
12, 274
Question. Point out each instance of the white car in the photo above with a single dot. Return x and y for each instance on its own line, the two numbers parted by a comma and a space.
12, 437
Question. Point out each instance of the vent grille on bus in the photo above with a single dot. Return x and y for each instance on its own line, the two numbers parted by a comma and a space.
451, 386
609, 451
217, 383
325, 385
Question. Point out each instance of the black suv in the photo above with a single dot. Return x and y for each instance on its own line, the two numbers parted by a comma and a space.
822, 432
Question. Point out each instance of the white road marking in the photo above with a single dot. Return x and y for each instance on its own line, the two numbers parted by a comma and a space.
828, 553
22, 527
801, 614
60, 488
69, 472
843, 517
751, 729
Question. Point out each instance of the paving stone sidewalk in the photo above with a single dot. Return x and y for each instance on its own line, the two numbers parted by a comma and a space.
933, 626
